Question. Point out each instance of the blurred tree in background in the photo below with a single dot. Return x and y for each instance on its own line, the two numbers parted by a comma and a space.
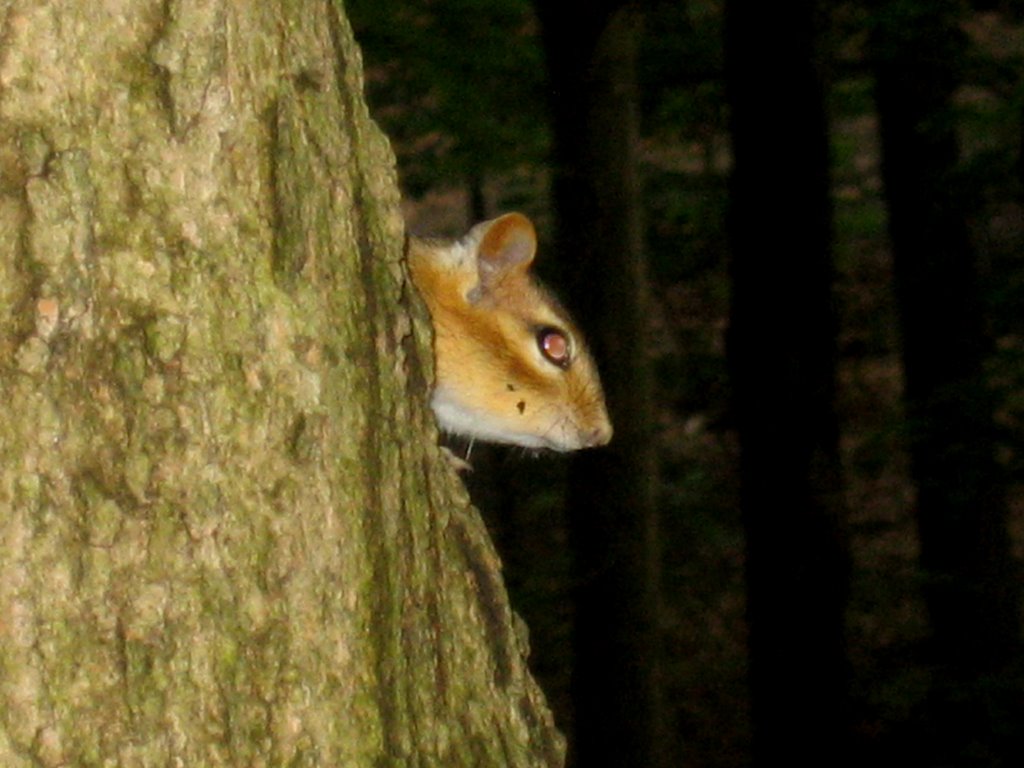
611, 496
970, 581
782, 340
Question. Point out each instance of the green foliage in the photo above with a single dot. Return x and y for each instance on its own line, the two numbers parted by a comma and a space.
680, 67
457, 85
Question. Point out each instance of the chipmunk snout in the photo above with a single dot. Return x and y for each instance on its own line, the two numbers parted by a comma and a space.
599, 435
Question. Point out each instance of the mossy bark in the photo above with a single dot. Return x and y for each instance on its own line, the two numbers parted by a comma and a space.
227, 536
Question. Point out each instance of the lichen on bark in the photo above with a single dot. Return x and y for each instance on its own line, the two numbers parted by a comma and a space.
226, 534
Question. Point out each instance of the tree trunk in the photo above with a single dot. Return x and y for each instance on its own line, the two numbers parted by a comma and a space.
612, 503
970, 579
227, 537
782, 353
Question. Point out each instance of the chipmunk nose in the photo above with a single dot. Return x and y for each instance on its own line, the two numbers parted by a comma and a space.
599, 435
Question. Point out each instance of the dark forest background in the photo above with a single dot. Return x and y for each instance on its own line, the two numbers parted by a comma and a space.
793, 233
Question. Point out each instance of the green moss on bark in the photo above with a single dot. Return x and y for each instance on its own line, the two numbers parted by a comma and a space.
226, 534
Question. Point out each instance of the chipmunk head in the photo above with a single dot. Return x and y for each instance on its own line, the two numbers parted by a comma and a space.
511, 367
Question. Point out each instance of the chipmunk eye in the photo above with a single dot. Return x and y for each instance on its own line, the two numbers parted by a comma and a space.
554, 345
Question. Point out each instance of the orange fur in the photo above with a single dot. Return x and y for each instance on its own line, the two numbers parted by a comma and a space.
493, 381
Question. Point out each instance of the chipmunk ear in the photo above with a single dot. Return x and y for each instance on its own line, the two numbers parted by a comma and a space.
506, 244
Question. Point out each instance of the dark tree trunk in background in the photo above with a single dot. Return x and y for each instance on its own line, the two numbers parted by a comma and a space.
612, 517
782, 353
970, 579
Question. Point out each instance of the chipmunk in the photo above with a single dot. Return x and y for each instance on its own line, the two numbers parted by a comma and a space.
510, 365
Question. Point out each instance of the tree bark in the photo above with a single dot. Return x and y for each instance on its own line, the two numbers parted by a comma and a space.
971, 582
618, 713
227, 536
782, 354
